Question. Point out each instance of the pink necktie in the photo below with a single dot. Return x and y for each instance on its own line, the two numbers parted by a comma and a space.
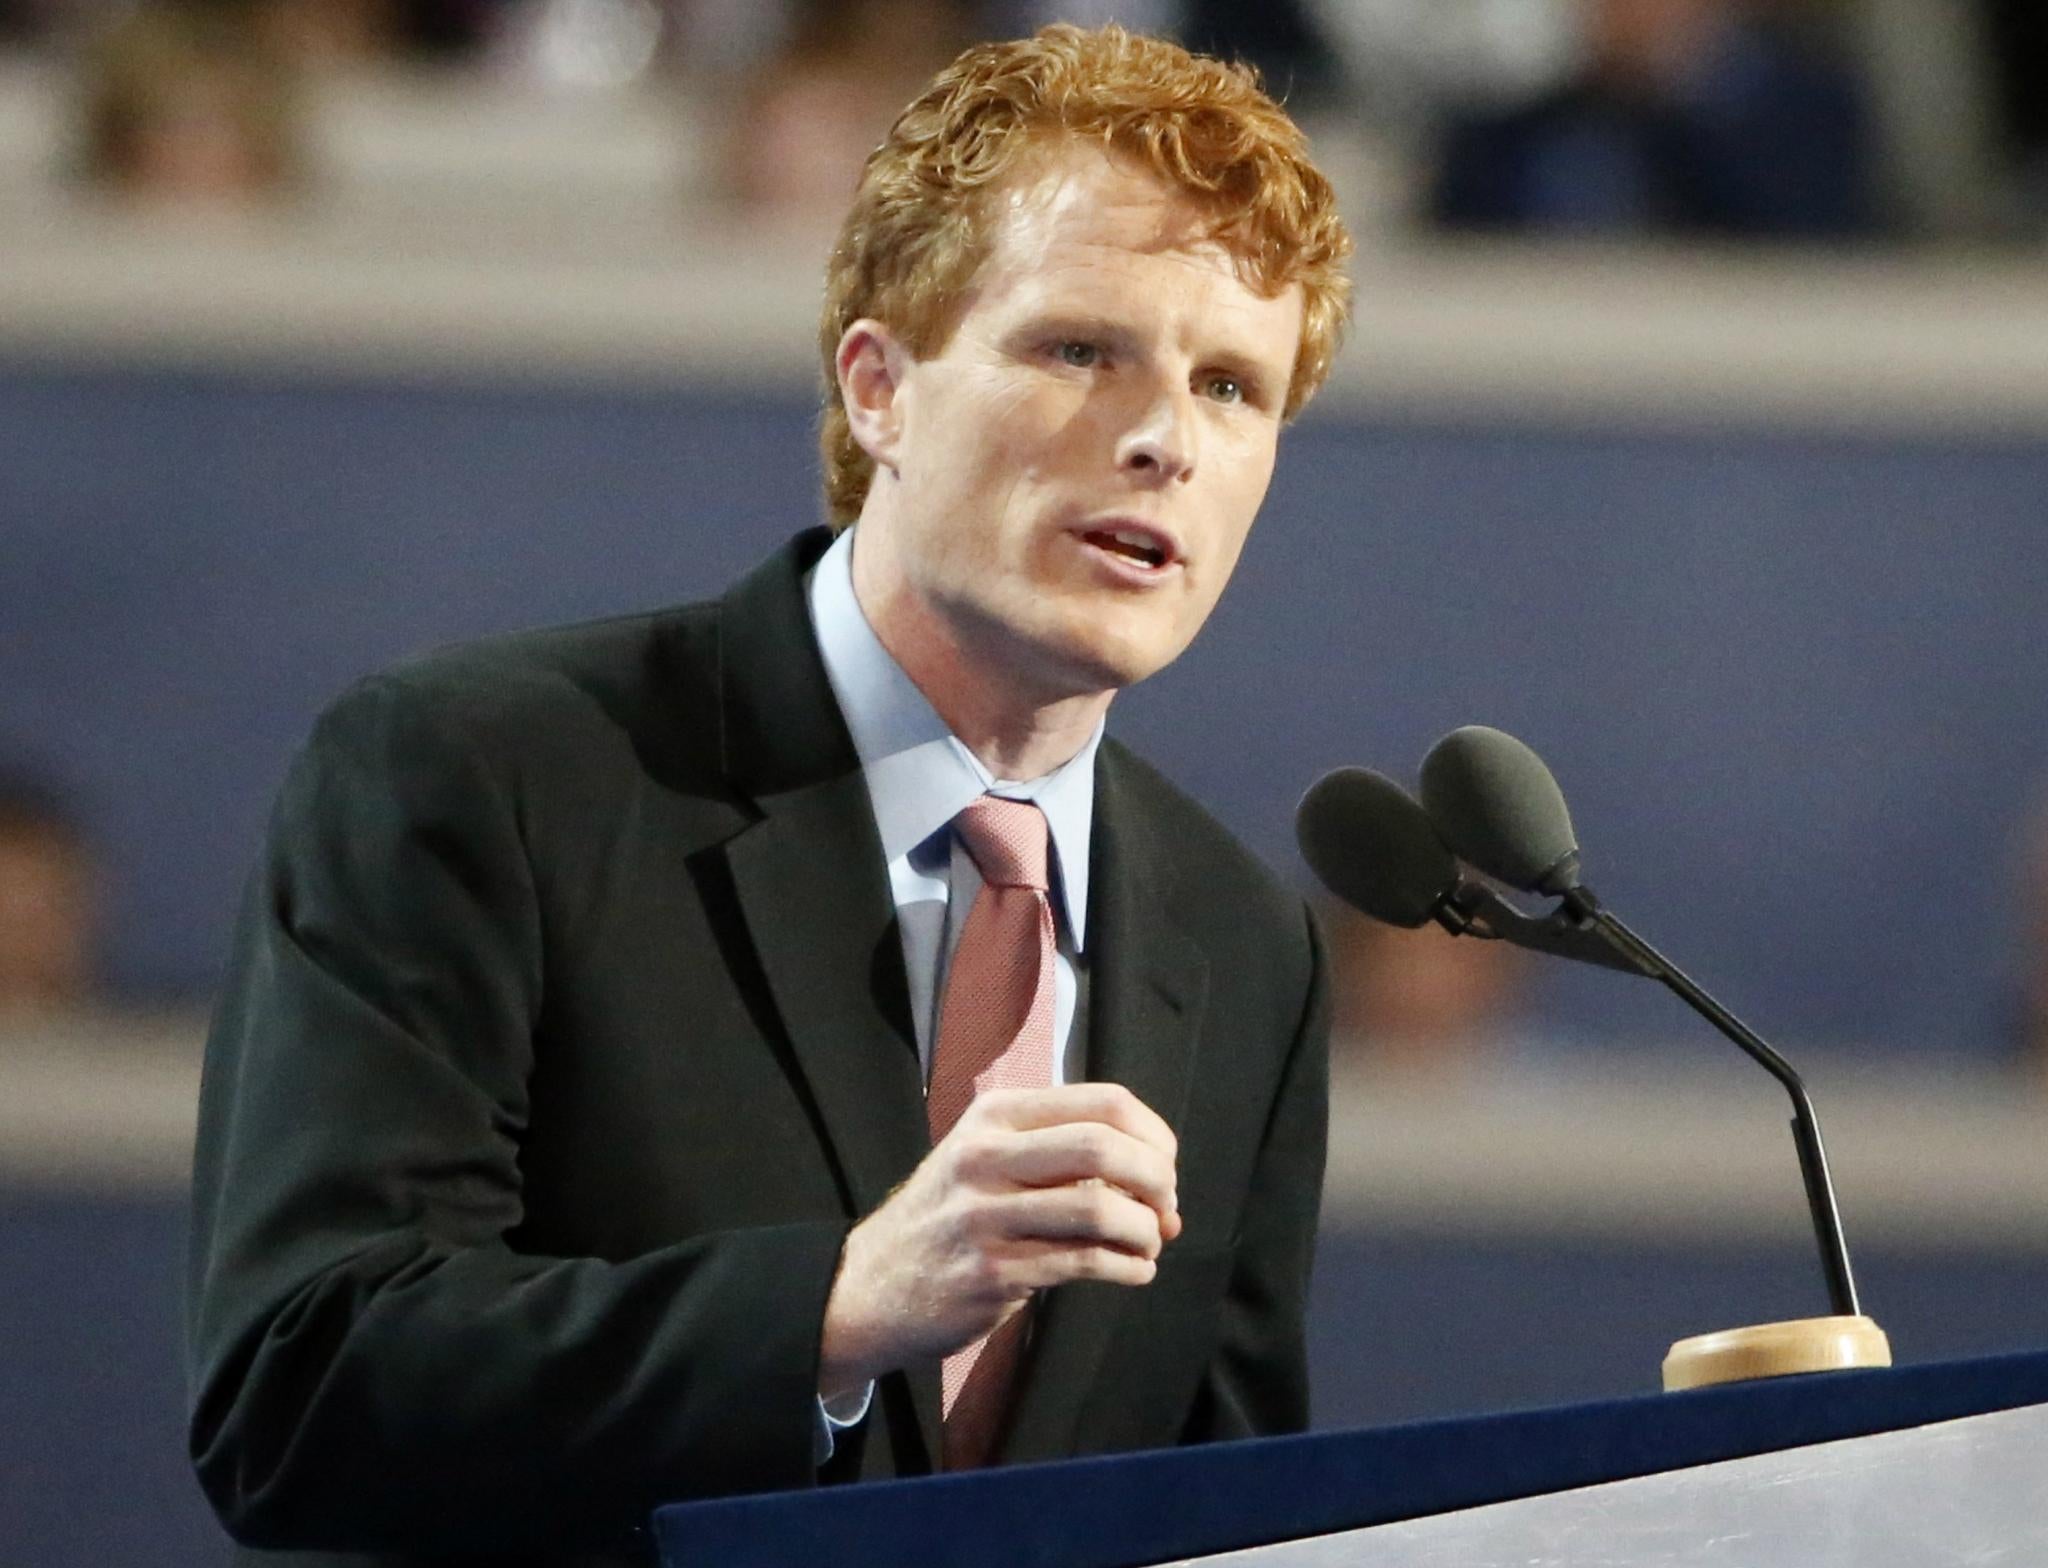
995, 1032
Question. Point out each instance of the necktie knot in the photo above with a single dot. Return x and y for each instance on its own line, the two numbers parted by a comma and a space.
1007, 839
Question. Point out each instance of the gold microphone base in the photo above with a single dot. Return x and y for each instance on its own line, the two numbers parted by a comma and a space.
1736, 1355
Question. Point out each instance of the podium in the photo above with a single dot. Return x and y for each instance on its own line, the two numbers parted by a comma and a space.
1940, 1463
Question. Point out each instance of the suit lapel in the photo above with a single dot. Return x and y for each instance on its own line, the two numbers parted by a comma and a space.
814, 890
811, 882
1148, 983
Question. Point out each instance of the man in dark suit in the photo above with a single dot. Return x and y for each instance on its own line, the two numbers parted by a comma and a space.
565, 1145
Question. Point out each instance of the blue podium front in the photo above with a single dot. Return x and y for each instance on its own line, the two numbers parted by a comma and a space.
1127, 1511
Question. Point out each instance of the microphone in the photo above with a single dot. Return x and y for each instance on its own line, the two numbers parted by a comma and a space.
1497, 806
1371, 844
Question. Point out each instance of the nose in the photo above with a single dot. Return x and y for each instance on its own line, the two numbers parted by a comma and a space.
1159, 446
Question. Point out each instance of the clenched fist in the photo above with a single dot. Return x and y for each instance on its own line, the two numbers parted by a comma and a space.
1031, 1188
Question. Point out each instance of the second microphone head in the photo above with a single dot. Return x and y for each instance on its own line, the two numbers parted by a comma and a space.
1499, 809
1372, 845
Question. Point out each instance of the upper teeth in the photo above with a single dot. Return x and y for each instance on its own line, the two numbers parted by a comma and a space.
1137, 541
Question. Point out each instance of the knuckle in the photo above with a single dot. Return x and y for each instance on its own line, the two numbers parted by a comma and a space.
1098, 1144
974, 1156
973, 1118
981, 1220
1099, 1210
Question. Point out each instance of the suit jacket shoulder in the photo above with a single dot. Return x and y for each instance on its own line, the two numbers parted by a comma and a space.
640, 689
1182, 818
1222, 892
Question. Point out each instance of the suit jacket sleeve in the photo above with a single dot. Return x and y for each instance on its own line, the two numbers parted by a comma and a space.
373, 1365
1257, 1382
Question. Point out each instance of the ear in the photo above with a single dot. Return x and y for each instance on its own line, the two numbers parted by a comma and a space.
871, 363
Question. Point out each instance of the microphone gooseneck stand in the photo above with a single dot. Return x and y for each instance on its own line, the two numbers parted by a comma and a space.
1587, 913
1496, 805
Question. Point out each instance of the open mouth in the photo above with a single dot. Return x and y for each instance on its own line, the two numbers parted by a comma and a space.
1130, 544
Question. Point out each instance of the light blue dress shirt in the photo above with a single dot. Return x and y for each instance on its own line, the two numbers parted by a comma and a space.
919, 777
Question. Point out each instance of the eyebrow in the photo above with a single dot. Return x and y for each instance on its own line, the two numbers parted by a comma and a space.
1077, 324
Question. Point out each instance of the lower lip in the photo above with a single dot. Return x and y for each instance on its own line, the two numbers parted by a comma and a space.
1124, 570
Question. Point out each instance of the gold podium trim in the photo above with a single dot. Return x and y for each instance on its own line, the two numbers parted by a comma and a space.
1736, 1355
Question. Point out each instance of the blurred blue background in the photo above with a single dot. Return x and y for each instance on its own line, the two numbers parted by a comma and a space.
1792, 682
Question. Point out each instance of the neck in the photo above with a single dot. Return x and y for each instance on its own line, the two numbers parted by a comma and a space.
1014, 740
1016, 731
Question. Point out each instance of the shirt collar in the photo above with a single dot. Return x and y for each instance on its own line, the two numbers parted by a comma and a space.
919, 775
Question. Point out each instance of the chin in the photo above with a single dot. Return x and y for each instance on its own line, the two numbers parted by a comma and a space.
1078, 648
1093, 661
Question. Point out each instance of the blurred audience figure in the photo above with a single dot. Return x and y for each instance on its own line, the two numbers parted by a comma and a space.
1420, 1003
24, 23
326, 35
2017, 34
824, 99
1728, 118
48, 906
345, 35
191, 104
585, 46
1282, 39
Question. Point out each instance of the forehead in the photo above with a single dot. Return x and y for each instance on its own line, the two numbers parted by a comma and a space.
1083, 221
1079, 194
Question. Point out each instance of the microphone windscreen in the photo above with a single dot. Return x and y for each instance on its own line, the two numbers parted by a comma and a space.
1372, 845
1497, 806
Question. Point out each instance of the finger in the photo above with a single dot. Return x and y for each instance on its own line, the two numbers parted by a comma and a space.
1044, 1265
1095, 1214
1022, 1110
1083, 1151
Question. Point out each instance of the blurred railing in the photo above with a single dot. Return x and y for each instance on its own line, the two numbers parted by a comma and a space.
456, 227
1668, 1146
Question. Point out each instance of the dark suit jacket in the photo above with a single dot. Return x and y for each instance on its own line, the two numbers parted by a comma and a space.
566, 1036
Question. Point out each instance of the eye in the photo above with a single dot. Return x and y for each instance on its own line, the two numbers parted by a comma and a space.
1081, 355
1224, 389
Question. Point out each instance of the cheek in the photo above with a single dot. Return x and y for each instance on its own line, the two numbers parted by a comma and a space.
1244, 491
1024, 442
1043, 425
983, 434
1236, 501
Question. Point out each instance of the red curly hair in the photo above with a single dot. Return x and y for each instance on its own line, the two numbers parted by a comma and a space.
920, 224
